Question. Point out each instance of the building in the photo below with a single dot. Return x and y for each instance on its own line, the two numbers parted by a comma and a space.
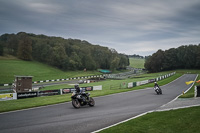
23, 83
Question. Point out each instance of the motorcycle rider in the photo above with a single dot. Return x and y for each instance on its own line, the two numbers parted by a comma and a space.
157, 88
76, 86
156, 85
78, 90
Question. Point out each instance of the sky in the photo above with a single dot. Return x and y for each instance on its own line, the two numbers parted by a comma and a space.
129, 26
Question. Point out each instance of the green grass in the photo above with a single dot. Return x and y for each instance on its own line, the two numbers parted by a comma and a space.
137, 62
176, 121
41, 101
12, 105
39, 71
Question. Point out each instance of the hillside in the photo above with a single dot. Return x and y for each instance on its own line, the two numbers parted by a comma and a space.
12, 66
136, 62
65, 54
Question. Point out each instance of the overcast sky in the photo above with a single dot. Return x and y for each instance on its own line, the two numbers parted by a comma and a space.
129, 26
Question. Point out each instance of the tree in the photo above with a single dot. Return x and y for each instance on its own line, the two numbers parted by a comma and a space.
197, 65
59, 58
63, 53
75, 61
1, 49
148, 63
155, 62
170, 59
123, 62
186, 56
25, 48
115, 63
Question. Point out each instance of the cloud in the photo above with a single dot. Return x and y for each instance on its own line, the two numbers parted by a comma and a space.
131, 27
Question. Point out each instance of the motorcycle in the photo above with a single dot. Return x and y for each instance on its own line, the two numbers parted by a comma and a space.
81, 99
158, 90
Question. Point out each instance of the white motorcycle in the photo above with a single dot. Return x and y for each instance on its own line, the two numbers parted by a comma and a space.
158, 90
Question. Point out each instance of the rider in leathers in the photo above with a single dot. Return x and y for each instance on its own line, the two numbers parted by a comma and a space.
156, 85
78, 90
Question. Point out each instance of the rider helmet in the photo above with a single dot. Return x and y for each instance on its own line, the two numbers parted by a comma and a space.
76, 86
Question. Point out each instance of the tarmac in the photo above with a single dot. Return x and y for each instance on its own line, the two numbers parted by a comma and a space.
180, 103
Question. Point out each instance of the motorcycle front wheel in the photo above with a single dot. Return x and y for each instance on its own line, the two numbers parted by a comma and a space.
76, 104
91, 102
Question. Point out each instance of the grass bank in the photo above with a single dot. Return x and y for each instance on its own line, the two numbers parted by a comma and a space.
136, 62
39, 71
176, 121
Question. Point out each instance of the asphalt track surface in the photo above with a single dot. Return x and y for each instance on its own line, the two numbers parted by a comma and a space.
111, 109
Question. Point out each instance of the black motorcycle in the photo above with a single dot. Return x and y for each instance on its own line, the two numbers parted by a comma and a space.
158, 90
81, 99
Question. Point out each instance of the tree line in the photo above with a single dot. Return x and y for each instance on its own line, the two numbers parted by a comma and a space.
183, 57
65, 54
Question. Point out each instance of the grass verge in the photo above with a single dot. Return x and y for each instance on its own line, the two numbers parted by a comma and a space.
176, 121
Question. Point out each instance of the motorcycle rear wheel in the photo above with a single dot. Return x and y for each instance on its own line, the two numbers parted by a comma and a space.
160, 91
76, 104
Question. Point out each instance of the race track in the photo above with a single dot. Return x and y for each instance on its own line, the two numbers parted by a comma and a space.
63, 118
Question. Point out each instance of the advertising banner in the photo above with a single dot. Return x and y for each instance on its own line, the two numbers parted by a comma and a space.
138, 83
26, 95
130, 85
90, 88
6, 96
71, 90
151, 80
134, 84
144, 82
49, 93
97, 87
66, 90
